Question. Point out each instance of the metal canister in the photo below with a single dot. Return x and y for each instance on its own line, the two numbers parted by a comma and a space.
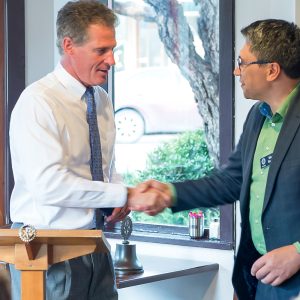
196, 225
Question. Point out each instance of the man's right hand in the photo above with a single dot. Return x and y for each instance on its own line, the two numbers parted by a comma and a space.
151, 197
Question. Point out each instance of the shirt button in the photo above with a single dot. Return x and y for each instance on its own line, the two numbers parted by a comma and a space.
273, 124
257, 197
261, 172
267, 148
256, 221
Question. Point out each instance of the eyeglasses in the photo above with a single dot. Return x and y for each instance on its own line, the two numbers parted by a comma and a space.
241, 63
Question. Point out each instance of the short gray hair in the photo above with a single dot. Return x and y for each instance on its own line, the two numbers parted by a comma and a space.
75, 17
275, 41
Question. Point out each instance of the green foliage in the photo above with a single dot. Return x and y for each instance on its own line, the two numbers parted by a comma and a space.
184, 157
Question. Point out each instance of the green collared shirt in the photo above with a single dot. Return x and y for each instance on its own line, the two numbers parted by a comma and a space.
260, 168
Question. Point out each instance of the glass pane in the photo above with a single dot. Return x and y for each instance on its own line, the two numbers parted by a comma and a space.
166, 94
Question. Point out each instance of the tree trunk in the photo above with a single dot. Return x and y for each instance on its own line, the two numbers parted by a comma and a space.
202, 73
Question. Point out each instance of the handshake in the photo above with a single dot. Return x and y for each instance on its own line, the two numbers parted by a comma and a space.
150, 197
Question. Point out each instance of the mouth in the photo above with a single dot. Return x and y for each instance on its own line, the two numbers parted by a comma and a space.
103, 71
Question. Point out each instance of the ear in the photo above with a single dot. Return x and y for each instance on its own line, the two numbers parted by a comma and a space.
273, 71
67, 45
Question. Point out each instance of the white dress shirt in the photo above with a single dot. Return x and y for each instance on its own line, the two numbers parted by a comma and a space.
50, 151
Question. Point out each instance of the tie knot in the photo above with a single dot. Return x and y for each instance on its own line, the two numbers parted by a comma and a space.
89, 91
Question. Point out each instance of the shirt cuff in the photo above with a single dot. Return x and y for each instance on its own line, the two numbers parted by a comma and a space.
173, 194
297, 245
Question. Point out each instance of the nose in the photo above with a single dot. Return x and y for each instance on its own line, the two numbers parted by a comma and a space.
237, 71
110, 58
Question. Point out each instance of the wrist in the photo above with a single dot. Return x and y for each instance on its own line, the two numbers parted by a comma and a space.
129, 192
173, 194
297, 245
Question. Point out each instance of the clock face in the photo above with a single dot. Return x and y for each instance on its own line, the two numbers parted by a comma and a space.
126, 228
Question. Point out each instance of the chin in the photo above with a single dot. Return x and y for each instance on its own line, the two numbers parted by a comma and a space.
99, 82
246, 95
101, 77
250, 98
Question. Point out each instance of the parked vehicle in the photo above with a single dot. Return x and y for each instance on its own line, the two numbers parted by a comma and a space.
153, 100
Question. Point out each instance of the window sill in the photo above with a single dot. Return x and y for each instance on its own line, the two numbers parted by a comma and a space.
170, 238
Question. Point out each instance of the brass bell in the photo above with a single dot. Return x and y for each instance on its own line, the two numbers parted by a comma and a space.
126, 261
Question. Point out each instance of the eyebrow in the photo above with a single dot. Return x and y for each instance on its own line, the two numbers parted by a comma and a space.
103, 48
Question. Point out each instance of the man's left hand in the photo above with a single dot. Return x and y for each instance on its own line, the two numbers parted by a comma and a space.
277, 265
118, 214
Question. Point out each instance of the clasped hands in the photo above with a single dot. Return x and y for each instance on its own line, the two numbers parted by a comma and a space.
150, 197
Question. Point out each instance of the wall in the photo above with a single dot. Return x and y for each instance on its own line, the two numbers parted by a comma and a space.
40, 42
297, 11
39, 39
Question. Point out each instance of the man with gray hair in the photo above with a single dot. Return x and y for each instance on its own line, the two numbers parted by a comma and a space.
62, 136
264, 170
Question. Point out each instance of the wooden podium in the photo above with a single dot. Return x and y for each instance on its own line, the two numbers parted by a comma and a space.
47, 248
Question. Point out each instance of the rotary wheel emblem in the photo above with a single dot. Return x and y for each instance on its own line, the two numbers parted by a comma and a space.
27, 233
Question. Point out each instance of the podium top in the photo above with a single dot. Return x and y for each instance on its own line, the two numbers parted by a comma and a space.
55, 237
61, 244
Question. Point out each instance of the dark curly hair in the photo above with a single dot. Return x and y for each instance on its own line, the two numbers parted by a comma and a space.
275, 41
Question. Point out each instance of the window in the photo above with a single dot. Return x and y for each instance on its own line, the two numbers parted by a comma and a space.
163, 75
157, 84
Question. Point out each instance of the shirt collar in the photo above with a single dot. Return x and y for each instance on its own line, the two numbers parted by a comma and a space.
72, 85
266, 111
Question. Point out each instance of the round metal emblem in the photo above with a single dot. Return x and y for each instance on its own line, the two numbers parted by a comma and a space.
27, 233
126, 228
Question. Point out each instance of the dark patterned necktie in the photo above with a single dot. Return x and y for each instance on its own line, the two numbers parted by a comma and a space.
96, 155
95, 144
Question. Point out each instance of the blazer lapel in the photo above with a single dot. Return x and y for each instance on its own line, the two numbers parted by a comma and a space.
248, 161
255, 131
286, 135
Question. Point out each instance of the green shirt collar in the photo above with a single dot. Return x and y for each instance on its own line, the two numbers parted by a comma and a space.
266, 111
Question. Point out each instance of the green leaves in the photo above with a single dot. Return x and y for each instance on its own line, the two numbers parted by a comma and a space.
185, 157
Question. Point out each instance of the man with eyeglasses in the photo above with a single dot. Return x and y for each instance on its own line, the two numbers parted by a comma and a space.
264, 170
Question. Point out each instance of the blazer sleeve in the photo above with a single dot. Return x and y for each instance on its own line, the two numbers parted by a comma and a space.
223, 186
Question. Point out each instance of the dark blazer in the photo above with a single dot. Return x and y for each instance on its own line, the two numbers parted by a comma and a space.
281, 209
